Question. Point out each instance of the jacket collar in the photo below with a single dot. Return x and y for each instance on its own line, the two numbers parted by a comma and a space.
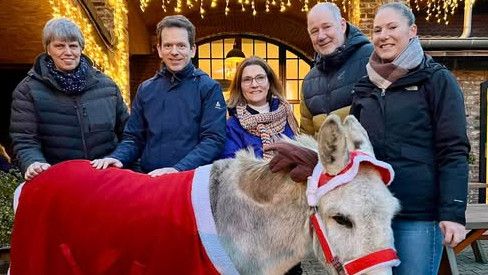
40, 71
187, 71
424, 71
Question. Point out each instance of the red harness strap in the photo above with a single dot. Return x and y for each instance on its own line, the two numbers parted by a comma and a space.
319, 184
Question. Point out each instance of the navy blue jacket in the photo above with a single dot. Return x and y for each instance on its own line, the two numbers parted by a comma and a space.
418, 125
239, 138
177, 120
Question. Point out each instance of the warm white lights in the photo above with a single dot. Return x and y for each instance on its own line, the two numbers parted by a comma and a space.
438, 10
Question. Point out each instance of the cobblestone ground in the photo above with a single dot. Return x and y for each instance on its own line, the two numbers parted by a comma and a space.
466, 263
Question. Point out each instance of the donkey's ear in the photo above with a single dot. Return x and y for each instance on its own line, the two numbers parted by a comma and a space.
333, 151
357, 137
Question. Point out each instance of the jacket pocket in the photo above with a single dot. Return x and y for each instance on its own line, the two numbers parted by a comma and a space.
100, 114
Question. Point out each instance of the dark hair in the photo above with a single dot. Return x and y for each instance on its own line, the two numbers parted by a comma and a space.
178, 21
62, 29
404, 10
275, 87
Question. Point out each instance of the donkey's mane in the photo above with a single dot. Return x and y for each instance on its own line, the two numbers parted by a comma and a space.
256, 167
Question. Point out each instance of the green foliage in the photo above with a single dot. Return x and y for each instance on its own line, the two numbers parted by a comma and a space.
8, 182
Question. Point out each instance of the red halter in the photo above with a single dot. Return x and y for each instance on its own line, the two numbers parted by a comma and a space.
319, 184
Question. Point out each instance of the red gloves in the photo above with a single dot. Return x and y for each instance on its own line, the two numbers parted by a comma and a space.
299, 160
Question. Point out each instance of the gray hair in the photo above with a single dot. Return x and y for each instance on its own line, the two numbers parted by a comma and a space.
403, 9
177, 21
329, 6
62, 29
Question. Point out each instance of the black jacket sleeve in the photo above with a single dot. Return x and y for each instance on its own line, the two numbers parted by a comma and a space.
451, 144
23, 127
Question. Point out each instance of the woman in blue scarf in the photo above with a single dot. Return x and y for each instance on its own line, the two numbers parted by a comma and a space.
64, 108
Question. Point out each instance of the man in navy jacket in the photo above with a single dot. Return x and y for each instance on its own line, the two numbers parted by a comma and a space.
177, 121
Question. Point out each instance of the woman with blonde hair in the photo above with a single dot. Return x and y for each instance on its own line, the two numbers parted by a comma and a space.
258, 110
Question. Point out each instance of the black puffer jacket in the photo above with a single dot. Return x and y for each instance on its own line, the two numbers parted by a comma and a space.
328, 85
418, 125
49, 126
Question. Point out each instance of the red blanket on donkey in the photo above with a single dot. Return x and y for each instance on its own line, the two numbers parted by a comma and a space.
73, 219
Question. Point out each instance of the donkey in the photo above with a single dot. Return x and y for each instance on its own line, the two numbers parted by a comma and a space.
261, 221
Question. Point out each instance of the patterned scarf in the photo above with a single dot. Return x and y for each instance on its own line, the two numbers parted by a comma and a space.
384, 74
267, 126
71, 83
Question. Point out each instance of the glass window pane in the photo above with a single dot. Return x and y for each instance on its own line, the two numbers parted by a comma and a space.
290, 55
260, 48
304, 68
204, 65
292, 68
204, 51
228, 44
247, 48
275, 65
291, 89
273, 51
218, 49
300, 83
217, 69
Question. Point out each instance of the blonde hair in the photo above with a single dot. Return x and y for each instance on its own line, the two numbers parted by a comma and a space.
275, 88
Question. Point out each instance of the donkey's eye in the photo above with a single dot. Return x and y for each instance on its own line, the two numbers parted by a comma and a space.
343, 220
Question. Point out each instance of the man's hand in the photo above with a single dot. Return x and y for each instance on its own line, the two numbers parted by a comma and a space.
162, 171
106, 162
35, 169
453, 232
299, 160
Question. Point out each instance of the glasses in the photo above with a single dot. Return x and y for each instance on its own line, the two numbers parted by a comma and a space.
260, 79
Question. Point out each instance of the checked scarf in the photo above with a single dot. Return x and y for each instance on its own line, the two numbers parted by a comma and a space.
384, 74
267, 125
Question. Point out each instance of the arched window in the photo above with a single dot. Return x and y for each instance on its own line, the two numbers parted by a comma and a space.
290, 66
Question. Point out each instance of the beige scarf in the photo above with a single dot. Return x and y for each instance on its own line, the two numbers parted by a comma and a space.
267, 126
384, 74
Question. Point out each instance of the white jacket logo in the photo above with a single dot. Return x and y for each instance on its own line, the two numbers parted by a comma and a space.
217, 105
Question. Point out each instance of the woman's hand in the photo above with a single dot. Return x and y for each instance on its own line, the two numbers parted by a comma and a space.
35, 169
106, 162
162, 171
300, 161
453, 232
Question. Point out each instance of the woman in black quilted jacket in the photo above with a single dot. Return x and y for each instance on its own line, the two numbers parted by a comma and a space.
64, 108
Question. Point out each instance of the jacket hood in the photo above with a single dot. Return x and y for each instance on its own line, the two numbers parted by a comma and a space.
40, 71
354, 40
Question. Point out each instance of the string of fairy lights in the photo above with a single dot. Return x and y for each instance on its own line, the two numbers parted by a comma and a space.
114, 61
245, 5
437, 10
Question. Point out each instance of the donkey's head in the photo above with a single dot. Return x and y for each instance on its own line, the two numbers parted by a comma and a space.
356, 216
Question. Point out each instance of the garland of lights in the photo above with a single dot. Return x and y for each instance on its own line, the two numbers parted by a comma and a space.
190, 4
439, 10
113, 62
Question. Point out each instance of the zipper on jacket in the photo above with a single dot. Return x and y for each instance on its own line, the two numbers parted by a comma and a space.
382, 101
80, 121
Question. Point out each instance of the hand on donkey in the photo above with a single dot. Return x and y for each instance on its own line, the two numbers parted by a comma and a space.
299, 160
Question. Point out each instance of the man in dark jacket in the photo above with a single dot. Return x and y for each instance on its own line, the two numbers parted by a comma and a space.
65, 108
342, 52
177, 120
